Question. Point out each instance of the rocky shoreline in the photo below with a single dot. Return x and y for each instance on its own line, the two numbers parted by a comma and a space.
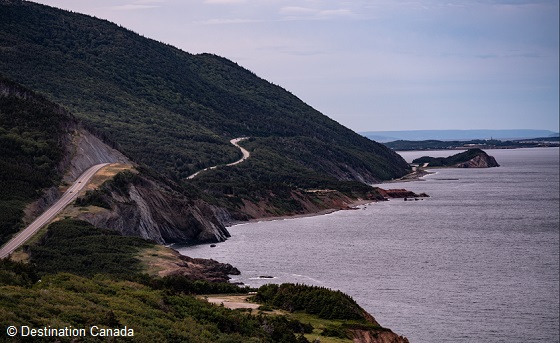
217, 271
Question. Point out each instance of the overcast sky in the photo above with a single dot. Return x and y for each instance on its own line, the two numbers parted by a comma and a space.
375, 65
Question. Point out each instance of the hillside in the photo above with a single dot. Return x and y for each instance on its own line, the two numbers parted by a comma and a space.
43, 148
33, 137
176, 112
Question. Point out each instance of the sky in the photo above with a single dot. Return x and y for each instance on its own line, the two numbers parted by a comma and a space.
375, 65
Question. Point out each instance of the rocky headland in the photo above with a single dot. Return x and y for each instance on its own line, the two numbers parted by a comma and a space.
472, 158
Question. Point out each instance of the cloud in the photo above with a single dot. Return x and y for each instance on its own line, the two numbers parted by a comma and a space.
227, 21
226, 2
306, 13
137, 5
132, 7
296, 10
510, 55
342, 12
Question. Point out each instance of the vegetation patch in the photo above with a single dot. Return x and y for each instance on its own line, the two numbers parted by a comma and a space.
31, 133
78, 247
64, 300
320, 301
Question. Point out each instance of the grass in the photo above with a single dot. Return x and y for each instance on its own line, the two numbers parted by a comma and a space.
19, 256
231, 301
158, 260
106, 173
319, 325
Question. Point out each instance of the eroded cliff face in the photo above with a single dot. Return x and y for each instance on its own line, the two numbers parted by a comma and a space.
479, 161
86, 150
143, 207
371, 336
82, 150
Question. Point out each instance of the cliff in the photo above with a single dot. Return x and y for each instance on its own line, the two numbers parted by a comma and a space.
135, 204
369, 336
86, 150
479, 161
472, 158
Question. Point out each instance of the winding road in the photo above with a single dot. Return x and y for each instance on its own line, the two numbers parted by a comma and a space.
51, 212
234, 141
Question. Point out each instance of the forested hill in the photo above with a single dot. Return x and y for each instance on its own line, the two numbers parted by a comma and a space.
33, 142
173, 110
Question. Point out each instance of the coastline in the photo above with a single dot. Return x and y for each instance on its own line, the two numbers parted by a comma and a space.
414, 176
353, 205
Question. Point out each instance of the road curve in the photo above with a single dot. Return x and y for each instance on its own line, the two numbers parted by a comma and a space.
234, 141
51, 212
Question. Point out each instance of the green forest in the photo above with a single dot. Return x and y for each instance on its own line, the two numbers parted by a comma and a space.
31, 134
321, 301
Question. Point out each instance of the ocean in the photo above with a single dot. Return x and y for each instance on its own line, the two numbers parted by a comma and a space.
478, 261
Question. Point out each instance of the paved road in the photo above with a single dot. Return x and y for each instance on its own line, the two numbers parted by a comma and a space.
234, 141
246, 153
51, 212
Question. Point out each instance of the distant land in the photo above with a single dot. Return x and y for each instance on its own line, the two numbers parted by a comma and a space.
433, 144
459, 135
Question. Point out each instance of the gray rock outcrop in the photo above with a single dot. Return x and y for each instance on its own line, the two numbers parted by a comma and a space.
370, 336
87, 150
143, 207
479, 161
83, 150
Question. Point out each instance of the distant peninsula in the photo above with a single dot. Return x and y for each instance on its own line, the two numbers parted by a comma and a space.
472, 158
460, 135
540, 142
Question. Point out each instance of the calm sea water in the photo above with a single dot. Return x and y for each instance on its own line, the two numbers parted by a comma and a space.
476, 262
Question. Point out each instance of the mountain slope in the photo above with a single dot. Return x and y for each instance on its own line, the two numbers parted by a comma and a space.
33, 137
42, 146
175, 111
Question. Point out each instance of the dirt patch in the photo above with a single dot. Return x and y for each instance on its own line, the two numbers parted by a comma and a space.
163, 261
160, 260
232, 301
106, 173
